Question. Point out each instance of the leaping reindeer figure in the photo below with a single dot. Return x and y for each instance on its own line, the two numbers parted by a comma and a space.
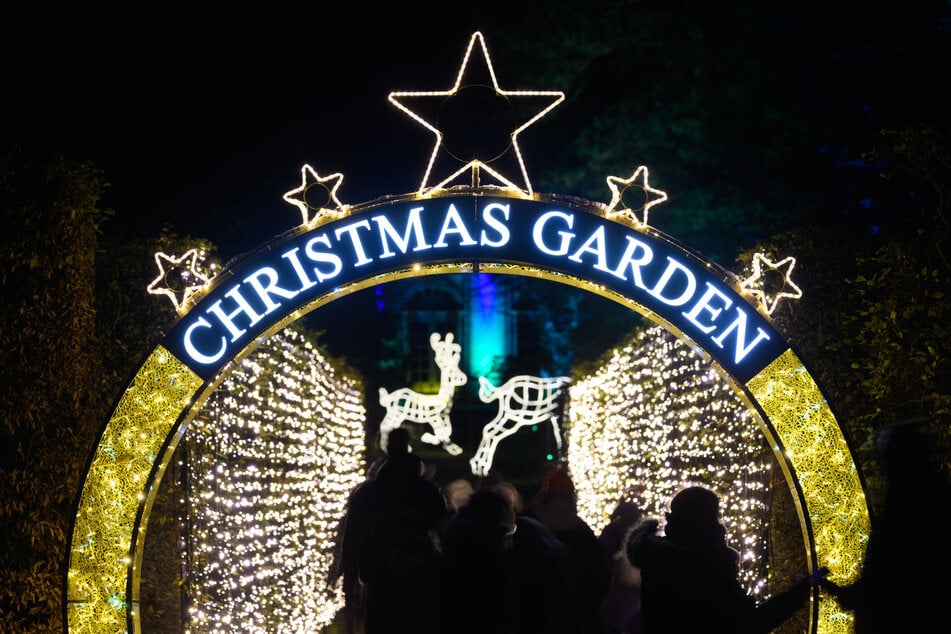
523, 400
429, 409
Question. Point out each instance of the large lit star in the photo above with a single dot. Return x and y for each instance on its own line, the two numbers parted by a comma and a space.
191, 279
755, 284
651, 196
298, 197
475, 165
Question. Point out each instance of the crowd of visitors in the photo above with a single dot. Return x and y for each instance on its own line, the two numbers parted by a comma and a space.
474, 557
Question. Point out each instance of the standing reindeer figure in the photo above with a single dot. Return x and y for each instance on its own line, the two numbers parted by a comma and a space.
428, 409
523, 400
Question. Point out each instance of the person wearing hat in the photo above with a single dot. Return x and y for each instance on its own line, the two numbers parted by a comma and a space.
689, 576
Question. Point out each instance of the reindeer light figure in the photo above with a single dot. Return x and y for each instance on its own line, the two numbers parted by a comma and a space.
523, 400
406, 405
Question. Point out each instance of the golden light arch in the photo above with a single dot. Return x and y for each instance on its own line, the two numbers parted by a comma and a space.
463, 230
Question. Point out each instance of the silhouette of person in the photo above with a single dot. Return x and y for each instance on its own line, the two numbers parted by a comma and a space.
510, 568
620, 610
689, 575
543, 573
397, 444
513, 494
353, 527
389, 551
904, 584
555, 506
477, 590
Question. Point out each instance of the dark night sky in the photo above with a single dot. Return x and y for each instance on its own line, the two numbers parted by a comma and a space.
203, 116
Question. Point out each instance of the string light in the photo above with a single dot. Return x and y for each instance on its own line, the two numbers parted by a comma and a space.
272, 457
194, 280
99, 565
656, 417
755, 283
407, 405
298, 196
395, 98
651, 196
823, 466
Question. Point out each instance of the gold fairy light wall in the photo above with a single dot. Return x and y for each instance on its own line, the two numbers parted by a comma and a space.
813, 445
271, 458
655, 417
102, 533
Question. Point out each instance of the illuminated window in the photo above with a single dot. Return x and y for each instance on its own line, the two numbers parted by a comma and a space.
427, 310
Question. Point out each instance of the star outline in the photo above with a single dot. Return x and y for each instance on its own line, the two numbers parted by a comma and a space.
753, 286
176, 262
475, 165
298, 196
617, 194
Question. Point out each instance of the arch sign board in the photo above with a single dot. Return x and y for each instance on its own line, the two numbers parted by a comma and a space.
462, 229
475, 230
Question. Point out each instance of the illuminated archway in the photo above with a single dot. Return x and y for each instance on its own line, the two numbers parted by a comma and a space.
465, 230
341, 249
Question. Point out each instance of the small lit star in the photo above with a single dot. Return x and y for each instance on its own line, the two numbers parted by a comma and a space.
755, 284
651, 196
475, 165
190, 277
298, 197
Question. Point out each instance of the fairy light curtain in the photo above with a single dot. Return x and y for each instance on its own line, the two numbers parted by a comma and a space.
654, 417
272, 457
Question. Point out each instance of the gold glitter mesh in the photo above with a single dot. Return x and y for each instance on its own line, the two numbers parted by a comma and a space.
114, 487
823, 465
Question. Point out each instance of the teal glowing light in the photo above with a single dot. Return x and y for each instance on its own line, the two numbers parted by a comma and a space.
487, 327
